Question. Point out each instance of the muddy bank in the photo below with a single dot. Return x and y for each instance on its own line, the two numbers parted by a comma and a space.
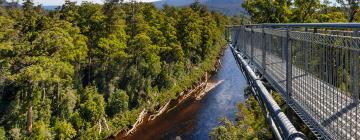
149, 129
146, 126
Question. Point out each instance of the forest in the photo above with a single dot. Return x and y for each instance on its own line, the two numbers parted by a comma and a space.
86, 70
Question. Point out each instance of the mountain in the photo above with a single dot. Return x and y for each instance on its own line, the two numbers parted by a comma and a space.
228, 7
50, 8
4, 3
160, 3
10, 4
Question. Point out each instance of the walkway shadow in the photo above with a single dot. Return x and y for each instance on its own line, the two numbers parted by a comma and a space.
338, 114
273, 63
295, 77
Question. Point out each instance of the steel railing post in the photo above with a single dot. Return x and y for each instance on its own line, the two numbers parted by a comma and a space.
240, 38
354, 71
263, 50
235, 41
306, 67
233, 36
283, 51
288, 65
252, 45
243, 38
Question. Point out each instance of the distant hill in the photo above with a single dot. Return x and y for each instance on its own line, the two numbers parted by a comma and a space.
228, 7
50, 7
4, 3
12, 4
160, 3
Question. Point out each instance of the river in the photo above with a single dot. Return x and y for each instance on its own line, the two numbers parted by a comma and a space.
194, 119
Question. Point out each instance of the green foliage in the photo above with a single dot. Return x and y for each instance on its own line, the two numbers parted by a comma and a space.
350, 8
86, 71
251, 124
15, 134
122, 120
2, 133
264, 11
227, 131
41, 131
300, 11
66, 105
191, 34
328, 13
92, 106
118, 102
63, 130
305, 10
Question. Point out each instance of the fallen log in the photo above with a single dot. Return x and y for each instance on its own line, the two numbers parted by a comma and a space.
208, 88
138, 121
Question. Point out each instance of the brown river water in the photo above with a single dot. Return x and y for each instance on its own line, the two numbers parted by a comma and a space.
194, 119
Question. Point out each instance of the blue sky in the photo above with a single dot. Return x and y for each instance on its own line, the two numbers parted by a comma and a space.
60, 2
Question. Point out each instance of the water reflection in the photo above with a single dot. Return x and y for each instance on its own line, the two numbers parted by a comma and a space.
194, 119
221, 101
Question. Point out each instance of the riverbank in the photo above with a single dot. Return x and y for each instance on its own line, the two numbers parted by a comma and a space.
199, 86
149, 120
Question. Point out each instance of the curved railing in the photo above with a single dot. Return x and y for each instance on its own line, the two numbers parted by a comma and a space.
279, 123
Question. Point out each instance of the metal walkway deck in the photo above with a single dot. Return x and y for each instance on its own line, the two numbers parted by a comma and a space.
323, 88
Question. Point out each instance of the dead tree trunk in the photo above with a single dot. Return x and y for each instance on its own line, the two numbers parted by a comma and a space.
29, 120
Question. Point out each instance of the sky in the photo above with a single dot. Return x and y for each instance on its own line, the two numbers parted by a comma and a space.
60, 2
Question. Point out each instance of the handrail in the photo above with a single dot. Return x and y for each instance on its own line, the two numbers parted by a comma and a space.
286, 128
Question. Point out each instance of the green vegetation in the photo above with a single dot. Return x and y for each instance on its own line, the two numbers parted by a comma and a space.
86, 71
301, 11
251, 122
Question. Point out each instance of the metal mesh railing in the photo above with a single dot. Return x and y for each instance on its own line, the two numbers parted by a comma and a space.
314, 67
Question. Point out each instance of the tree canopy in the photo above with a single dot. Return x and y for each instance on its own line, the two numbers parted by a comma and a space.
83, 71
301, 11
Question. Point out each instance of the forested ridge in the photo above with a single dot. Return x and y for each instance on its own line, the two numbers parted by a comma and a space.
86, 71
